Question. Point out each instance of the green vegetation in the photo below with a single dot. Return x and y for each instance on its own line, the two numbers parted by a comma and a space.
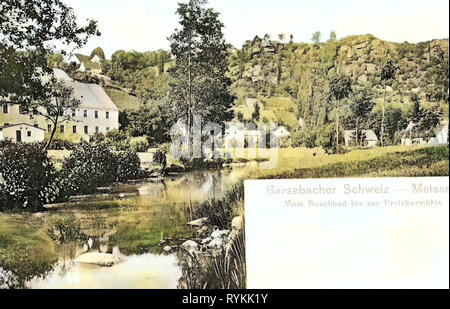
123, 100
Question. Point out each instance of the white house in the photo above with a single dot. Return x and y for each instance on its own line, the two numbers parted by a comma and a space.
369, 137
96, 59
97, 113
438, 136
22, 133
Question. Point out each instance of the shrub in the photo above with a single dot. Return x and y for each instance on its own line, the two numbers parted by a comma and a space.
118, 140
128, 166
28, 179
59, 144
139, 144
88, 167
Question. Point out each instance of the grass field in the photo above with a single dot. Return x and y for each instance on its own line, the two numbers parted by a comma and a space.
123, 100
396, 161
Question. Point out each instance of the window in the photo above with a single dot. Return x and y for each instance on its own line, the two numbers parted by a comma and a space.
96, 114
86, 130
36, 125
29, 133
107, 115
97, 130
49, 128
5, 108
74, 113
74, 129
35, 112
107, 129
61, 128
85, 113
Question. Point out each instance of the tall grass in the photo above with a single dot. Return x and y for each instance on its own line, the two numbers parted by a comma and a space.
225, 269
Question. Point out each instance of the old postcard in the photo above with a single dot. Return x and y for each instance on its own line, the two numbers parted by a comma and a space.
193, 144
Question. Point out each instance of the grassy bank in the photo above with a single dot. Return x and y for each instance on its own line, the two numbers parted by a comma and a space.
25, 248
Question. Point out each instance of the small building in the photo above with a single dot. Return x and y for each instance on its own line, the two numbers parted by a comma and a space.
238, 135
281, 132
435, 137
369, 138
22, 133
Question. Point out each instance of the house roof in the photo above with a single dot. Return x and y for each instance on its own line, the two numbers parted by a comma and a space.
369, 135
19, 124
92, 96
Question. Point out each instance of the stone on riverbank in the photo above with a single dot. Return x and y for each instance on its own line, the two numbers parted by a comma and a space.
198, 223
99, 259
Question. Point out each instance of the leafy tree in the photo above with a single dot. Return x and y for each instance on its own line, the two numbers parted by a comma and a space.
361, 104
28, 31
340, 88
55, 60
316, 37
416, 109
387, 77
57, 107
199, 84
98, 52
333, 37
256, 115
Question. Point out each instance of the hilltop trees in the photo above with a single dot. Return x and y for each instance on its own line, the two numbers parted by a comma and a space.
316, 37
99, 53
199, 83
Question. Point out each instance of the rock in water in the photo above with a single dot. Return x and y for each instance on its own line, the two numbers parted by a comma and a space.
99, 259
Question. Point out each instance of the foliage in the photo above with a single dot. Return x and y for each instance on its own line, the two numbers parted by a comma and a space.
88, 167
199, 84
316, 37
99, 53
33, 27
128, 166
28, 179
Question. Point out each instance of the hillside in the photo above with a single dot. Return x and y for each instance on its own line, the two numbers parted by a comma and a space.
265, 70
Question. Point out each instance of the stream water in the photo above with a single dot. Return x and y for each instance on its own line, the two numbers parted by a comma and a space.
129, 224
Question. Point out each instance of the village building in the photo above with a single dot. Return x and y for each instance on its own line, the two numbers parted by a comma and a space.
22, 133
438, 136
369, 138
96, 114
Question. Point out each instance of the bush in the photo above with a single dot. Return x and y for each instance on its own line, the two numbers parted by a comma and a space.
88, 167
128, 166
139, 144
59, 144
28, 179
118, 140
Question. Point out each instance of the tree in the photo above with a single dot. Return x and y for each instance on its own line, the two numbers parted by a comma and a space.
361, 104
292, 38
57, 108
387, 77
199, 85
333, 37
98, 52
416, 109
28, 32
316, 37
340, 88
256, 115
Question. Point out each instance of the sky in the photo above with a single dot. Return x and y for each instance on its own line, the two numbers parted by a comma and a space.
144, 25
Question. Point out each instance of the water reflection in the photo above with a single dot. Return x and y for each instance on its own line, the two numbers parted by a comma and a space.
131, 228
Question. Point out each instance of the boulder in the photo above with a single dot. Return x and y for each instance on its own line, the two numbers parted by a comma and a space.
198, 222
190, 245
99, 259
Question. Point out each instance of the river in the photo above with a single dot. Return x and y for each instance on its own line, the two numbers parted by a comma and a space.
129, 223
